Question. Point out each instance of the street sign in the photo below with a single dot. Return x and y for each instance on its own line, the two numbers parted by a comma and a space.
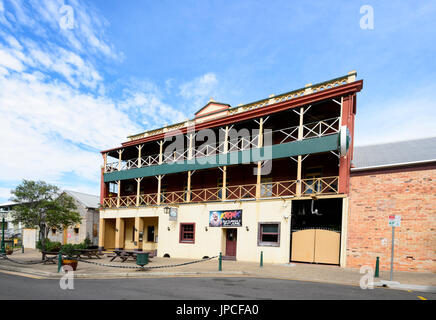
394, 220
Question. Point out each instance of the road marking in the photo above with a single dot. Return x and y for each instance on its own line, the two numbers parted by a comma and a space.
21, 274
422, 298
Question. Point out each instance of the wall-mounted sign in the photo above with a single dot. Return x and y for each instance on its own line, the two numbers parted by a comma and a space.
173, 214
344, 140
225, 218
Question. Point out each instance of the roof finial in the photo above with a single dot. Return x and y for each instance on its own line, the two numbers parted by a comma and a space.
211, 100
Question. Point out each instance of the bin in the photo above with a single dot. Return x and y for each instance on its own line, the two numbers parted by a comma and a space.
142, 259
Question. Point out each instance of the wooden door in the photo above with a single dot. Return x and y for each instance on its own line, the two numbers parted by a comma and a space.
231, 237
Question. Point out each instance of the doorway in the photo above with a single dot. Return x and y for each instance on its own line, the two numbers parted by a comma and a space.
231, 241
316, 231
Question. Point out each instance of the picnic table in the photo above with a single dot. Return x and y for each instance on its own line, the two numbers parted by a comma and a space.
126, 254
50, 257
89, 253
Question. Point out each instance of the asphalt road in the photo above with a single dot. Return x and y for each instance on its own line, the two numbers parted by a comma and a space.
16, 287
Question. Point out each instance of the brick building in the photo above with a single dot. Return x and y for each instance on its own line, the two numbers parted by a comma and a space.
393, 179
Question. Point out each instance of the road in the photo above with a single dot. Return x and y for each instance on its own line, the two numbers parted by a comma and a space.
16, 287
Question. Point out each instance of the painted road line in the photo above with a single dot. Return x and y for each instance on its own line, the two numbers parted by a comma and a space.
422, 298
21, 274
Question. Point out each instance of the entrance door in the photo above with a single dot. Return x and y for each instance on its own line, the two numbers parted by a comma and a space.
231, 236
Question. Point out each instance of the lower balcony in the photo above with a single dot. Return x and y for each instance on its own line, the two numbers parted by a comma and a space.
268, 190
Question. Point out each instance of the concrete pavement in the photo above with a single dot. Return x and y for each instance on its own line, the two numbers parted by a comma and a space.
425, 282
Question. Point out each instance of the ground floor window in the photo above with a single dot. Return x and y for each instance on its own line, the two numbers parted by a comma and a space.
187, 232
269, 234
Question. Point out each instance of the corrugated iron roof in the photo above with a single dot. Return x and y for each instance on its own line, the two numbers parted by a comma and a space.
88, 200
394, 153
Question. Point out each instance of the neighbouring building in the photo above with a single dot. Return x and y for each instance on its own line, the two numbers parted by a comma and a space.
271, 176
12, 230
88, 208
396, 178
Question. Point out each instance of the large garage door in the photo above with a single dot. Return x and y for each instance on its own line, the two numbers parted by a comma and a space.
316, 246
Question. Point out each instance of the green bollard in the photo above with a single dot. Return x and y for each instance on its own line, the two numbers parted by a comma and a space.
22, 248
220, 262
261, 259
59, 262
377, 263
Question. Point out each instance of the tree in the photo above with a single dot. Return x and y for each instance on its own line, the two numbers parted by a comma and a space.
43, 206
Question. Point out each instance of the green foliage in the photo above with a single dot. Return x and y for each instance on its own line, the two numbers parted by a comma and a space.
43, 206
68, 249
50, 246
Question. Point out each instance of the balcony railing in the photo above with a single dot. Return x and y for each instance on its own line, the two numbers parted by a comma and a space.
276, 189
310, 130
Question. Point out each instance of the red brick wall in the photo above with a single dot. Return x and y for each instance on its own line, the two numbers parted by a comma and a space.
409, 192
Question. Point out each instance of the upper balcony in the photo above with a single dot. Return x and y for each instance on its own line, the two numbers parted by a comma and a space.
310, 130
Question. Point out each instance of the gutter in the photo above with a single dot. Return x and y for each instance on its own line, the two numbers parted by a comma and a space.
393, 165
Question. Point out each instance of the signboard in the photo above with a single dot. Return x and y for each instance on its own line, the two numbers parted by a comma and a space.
225, 218
344, 140
394, 220
173, 214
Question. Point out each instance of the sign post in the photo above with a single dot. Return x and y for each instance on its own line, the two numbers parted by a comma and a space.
394, 221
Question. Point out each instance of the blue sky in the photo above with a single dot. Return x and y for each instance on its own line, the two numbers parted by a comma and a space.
70, 88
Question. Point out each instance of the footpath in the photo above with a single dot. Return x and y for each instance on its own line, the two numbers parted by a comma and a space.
26, 264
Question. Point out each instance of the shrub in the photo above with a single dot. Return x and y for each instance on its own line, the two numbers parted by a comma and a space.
68, 249
50, 246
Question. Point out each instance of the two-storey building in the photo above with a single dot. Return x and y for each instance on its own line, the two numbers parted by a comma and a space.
270, 176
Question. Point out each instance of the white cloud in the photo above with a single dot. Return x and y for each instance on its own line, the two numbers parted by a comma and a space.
198, 91
396, 119
52, 128
9, 61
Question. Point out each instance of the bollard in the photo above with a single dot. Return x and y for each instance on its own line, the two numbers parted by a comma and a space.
59, 262
22, 249
220, 262
377, 263
261, 259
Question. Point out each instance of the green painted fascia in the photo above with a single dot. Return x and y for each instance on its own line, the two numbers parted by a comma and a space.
277, 151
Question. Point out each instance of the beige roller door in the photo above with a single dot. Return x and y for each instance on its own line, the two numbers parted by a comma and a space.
316, 245
303, 245
327, 245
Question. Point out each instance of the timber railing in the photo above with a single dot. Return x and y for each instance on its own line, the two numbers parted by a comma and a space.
274, 189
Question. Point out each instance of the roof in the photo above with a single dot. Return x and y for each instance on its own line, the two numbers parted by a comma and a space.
88, 200
394, 154
7, 204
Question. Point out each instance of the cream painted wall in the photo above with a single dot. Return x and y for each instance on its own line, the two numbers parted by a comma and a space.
211, 242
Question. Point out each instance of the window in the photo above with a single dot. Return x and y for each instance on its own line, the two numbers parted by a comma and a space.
53, 231
269, 234
150, 233
187, 232
76, 230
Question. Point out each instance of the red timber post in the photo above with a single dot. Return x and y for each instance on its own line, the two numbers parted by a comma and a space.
347, 119
103, 189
